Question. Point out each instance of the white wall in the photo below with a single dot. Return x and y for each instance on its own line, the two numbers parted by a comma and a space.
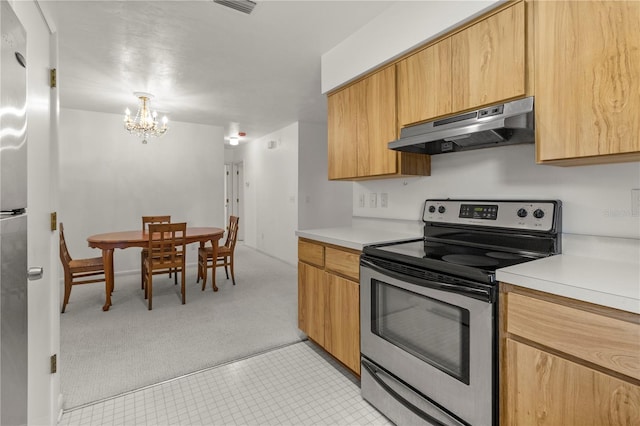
596, 199
400, 28
109, 179
271, 193
321, 203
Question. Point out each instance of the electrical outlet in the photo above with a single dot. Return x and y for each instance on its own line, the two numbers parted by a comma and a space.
361, 201
384, 200
373, 200
635, 202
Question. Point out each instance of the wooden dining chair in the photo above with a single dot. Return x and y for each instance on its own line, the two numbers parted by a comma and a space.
146, 221
166, 251
77, 270
225, 255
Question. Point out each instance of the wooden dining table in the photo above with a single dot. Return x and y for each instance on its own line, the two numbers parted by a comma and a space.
125, 239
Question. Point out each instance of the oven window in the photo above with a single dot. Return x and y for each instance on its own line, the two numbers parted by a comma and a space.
432, 330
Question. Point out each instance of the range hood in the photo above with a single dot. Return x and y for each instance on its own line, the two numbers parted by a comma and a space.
498, 125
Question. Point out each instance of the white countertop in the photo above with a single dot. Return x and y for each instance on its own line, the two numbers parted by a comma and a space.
600, 270
355, 237
601, 281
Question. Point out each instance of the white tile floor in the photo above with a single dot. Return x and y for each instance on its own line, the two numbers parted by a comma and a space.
294, 385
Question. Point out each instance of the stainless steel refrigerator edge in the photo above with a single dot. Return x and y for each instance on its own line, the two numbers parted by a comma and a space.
13, 220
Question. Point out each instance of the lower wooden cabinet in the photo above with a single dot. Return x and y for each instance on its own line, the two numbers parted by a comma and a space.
312, 301
566, 362
329, 300
545, 389
342, 331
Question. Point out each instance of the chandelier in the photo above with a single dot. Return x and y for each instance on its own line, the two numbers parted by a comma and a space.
145, 122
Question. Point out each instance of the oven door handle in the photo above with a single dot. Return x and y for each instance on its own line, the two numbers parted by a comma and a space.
485, 295
374, 372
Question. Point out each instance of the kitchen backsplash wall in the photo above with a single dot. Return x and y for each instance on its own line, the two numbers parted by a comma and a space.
596, 200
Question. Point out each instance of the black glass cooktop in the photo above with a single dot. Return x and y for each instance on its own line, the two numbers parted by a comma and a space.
471, 262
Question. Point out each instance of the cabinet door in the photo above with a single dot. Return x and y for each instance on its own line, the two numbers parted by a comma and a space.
376, 120
343, 321
488, 60
587, 63
312, 301
424, 84
342, 134
543, 389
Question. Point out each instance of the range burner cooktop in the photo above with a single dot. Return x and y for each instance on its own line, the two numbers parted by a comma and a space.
472, 239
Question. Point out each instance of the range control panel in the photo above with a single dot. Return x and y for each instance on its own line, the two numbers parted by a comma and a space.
515, 214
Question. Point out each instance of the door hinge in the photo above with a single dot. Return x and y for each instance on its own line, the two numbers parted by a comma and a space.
54, 221
53, 78
54, 363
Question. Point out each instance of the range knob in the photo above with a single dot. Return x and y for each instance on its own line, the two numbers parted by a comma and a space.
522, 213
441, 209
432, 209
538, 214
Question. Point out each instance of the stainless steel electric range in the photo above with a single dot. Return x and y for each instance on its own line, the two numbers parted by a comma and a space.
428, 308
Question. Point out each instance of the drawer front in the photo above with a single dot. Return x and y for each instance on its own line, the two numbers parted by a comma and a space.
345, 263
608, 342
311, 253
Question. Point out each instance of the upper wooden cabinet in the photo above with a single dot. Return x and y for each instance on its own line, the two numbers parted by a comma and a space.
587, 85
361, 123
488, 60
424, 84
479, 65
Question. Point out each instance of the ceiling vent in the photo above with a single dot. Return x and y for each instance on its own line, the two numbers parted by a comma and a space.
244, 6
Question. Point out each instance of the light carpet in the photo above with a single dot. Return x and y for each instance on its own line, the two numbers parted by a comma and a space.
107, 353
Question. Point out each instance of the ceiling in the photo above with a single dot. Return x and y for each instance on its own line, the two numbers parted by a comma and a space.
204, 63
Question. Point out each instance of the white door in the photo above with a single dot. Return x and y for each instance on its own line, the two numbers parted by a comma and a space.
228, 192
238, 201
234, 192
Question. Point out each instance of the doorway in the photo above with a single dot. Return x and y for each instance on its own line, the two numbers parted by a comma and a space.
234, 194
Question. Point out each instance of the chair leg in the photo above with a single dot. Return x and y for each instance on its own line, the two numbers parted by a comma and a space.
67, 291
199, 268
142, 270
182, 289
144, 285
226, 271
149, 289
175, 276
233, 277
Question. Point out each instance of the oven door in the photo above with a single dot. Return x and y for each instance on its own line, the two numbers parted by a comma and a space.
434, 335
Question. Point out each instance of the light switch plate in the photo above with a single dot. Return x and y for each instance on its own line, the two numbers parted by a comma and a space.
361, 201
384, 200
635, 202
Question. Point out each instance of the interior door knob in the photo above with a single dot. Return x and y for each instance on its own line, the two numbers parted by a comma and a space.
35, 273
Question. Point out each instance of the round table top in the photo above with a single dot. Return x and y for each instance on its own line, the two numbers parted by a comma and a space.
123, 239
